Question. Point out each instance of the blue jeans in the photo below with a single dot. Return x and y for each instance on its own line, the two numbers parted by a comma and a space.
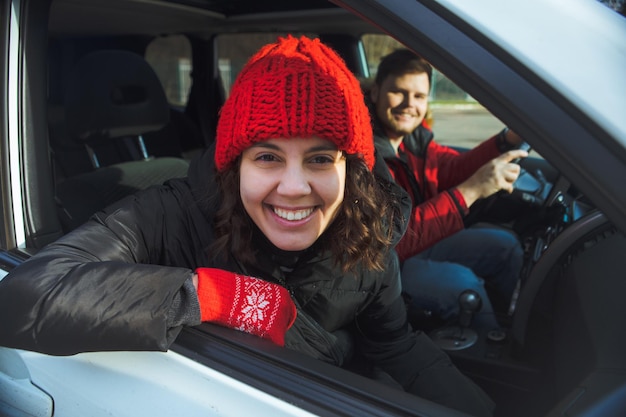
437, 276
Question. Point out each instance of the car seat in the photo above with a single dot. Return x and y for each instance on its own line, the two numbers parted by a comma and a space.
112, 99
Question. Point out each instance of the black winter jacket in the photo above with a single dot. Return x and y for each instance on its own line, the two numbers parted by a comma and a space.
122, 282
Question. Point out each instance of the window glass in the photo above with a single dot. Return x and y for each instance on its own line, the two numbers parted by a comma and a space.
170, 56
457, 119
617, 5
234, 50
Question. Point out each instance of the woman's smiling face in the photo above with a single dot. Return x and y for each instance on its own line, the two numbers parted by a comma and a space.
292, 188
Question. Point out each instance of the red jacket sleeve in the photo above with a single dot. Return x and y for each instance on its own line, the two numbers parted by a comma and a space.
441, 215
447, 168
431, 221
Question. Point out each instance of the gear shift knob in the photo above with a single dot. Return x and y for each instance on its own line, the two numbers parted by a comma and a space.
469, 303
461, 336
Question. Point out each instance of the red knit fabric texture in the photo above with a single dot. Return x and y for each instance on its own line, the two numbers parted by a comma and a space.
245, 303
294, 88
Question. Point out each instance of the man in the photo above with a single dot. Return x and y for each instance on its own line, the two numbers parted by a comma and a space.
440, 257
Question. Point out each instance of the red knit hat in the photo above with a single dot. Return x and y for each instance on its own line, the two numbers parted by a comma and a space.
294, 88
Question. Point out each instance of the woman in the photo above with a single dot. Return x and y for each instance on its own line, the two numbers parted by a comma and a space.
287, 196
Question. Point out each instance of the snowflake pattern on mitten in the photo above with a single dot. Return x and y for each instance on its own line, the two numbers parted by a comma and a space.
255, 305
245, 303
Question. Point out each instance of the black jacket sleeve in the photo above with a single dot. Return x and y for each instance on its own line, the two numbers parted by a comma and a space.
101, 286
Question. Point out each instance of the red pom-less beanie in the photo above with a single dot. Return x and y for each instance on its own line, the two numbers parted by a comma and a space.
294, 88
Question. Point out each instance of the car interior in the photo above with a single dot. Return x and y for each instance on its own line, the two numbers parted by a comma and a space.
113, 106
132, 91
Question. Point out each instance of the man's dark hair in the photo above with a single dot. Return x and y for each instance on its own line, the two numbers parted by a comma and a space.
400, 62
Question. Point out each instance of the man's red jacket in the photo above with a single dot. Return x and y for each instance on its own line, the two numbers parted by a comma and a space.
429, 172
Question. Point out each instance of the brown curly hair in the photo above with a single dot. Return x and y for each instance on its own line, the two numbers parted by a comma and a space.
360, 234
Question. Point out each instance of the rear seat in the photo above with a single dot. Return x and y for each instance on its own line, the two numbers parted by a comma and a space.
112, 100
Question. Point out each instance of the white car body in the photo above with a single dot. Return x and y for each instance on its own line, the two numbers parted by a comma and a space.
104, 384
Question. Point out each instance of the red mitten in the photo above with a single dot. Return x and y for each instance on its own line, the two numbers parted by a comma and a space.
245, 303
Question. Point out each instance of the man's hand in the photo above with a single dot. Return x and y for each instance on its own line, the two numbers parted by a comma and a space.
498, 174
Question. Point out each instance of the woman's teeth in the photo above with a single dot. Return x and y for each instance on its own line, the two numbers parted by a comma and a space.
293, 214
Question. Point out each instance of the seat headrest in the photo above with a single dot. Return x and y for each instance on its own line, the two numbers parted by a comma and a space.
113, 93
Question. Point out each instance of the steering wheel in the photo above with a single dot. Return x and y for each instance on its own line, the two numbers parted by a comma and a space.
530, 191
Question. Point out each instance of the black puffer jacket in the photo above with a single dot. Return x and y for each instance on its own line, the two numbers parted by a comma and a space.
122, 282
117, 283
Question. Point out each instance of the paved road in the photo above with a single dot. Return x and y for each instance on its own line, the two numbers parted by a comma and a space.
464, 125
